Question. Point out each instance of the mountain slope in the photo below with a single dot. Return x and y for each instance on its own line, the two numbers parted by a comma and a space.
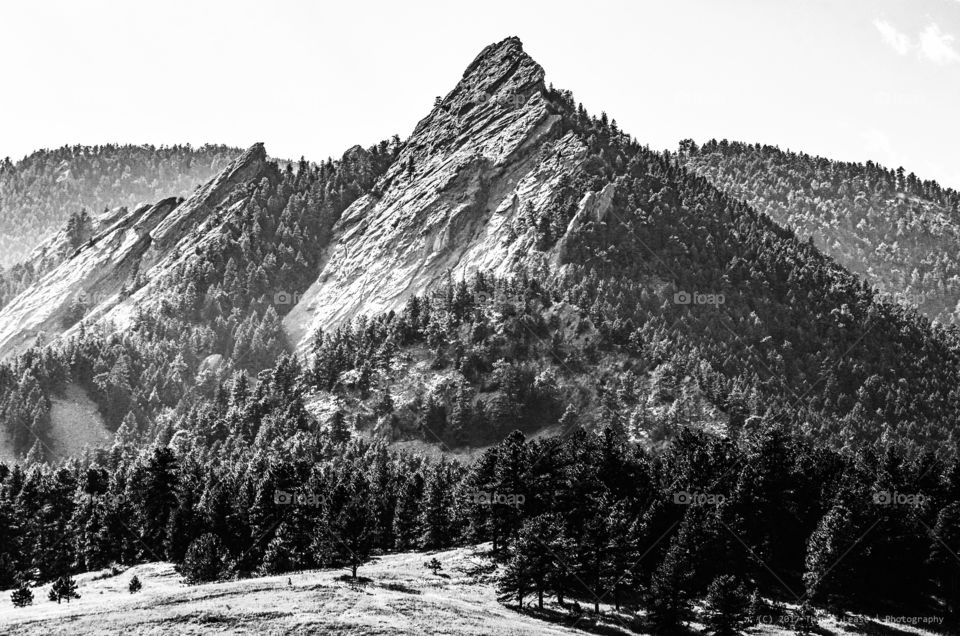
106, 269
901, 234
633, 241
40, 192
492, 147
504, 178
728, 400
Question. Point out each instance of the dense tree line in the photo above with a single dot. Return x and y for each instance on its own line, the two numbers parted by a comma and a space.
796, 336
249, 483
900, 233
218, 313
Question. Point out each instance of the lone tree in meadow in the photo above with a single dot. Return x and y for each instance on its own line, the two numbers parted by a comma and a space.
22, 596
433, 565
63, 588
135, 584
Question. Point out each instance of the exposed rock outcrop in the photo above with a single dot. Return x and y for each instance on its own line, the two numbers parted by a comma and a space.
593, 207
491, 148
144, 242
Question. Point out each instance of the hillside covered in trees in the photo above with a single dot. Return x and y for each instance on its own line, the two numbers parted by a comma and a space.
42, 192
897, 231
737, 413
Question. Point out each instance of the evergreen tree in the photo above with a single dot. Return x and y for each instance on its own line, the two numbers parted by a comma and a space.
727, 606
63, 588
435, 518
832, 558
668, 597
22, 596
943, 562
339, 430
433, 565
351, 524
206, 560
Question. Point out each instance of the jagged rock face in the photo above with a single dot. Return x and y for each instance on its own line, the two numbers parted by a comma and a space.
58, 247
593, 207
489, 149
180, 234
148, 240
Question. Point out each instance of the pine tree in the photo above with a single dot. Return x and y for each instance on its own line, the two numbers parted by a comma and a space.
433, 565
22, 596
757, 608
351, 524
942, 560
206, 560
535, 547
593, 558
515, 579
407, 511
135, 584
668, 597
727, 606
339, 430
63, 588
435, 521
154, 494
833, 555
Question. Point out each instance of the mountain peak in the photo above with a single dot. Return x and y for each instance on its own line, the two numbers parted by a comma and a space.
502, 68
506, 48
493, 146
500, 81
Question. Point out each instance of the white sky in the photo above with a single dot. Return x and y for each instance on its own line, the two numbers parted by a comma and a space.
848, 79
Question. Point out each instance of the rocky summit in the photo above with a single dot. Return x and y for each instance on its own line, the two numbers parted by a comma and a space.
494, 146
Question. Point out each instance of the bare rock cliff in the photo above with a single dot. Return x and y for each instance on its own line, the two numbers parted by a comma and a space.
489, 149
142, 243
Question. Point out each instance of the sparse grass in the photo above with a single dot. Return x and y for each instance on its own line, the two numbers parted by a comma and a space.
394, 594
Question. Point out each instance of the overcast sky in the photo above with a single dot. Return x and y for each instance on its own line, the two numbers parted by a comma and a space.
848, 79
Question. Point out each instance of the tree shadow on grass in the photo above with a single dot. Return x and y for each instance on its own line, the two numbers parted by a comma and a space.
604, 624
358, 582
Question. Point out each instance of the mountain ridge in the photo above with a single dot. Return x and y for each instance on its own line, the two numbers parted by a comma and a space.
503, 178
102, 268
458, 182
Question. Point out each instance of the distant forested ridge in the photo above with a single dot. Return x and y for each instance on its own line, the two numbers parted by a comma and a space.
897, 231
